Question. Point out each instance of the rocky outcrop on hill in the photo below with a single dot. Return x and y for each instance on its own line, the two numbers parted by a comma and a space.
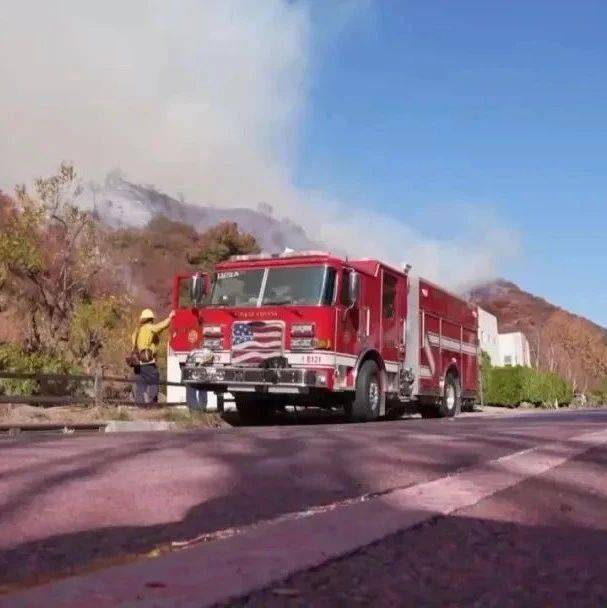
122, 204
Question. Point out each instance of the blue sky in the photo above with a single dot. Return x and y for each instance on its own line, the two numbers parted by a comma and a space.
424, 109
428, 117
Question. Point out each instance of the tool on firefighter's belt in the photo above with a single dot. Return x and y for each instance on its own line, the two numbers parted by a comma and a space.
136, 357
132, 359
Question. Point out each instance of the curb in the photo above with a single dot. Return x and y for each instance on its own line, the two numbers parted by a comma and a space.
130, 426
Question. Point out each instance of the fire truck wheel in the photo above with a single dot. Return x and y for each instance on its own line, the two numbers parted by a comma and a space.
395, 411
451, 403
467, 405
369, 395
253, 410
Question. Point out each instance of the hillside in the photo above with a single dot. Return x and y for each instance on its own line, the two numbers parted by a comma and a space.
559, 341
148, 258
71, 286
145, 237
119, 203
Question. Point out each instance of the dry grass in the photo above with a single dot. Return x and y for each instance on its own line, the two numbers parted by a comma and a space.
182, 417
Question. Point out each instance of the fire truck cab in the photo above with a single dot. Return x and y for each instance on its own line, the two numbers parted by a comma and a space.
313, 329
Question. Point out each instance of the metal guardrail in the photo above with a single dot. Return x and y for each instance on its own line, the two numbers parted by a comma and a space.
83, 378
96, 379
46, 400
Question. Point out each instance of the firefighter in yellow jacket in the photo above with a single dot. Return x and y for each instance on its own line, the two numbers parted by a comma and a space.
145, 342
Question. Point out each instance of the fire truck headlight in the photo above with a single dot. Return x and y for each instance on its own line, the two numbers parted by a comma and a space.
213, 343
204, 356
302, 330
302, 343
211, 330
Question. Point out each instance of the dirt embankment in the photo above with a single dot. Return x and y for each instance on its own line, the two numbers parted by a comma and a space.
183, 418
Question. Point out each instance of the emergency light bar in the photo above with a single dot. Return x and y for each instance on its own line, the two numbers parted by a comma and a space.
272, 256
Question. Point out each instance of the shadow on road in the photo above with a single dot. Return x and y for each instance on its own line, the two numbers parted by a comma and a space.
457, 561
540, 543
304, 416
270, 471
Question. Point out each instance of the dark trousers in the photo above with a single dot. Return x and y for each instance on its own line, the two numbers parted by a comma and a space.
146, 393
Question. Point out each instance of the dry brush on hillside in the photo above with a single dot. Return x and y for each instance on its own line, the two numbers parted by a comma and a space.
560, 342
70, 286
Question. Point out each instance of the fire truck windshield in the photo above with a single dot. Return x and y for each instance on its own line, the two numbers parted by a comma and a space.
303, 286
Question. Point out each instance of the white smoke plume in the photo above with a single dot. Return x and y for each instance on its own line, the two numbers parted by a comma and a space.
204, 98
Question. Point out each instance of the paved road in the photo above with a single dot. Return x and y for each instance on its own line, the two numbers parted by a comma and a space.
71, 502
540, 543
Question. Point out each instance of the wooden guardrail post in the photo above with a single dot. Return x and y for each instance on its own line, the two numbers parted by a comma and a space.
98, 387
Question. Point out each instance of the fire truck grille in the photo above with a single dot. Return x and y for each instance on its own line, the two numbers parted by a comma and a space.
254, 342
270, 376
249, 376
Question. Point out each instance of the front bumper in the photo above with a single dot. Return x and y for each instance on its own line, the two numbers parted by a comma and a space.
253, 378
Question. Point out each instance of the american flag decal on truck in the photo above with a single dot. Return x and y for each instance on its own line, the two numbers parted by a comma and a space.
255, 341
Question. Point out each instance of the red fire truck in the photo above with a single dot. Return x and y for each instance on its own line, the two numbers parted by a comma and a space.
311, 329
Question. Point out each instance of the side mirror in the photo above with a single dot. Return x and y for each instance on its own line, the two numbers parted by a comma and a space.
353, 289
198, 288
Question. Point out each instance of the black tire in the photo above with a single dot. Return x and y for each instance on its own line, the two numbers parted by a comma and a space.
253, 410
395, 411
369, 397
449, 405
429, 411
468, 405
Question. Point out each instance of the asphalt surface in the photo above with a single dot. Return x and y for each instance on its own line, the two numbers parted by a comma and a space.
72, 503
541, 543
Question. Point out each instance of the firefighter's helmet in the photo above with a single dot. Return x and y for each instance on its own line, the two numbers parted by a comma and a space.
147, 315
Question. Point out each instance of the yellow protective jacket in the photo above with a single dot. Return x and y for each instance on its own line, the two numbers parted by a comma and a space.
148, 337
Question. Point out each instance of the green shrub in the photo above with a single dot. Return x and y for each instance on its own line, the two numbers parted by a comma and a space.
485, 377
100, 333
597, 398
14, 358
510, 386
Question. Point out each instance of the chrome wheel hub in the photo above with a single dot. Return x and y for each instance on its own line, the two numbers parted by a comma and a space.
450, 397
374, 394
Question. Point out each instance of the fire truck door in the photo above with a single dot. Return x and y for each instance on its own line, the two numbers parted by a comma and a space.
393, 316
348, 321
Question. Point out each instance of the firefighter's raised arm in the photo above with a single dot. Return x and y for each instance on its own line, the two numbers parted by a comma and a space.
160, 327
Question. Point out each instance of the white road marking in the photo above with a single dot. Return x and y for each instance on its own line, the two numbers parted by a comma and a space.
261, 554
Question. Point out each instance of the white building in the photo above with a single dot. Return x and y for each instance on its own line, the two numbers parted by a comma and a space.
514, 349
504, 349
488, 336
